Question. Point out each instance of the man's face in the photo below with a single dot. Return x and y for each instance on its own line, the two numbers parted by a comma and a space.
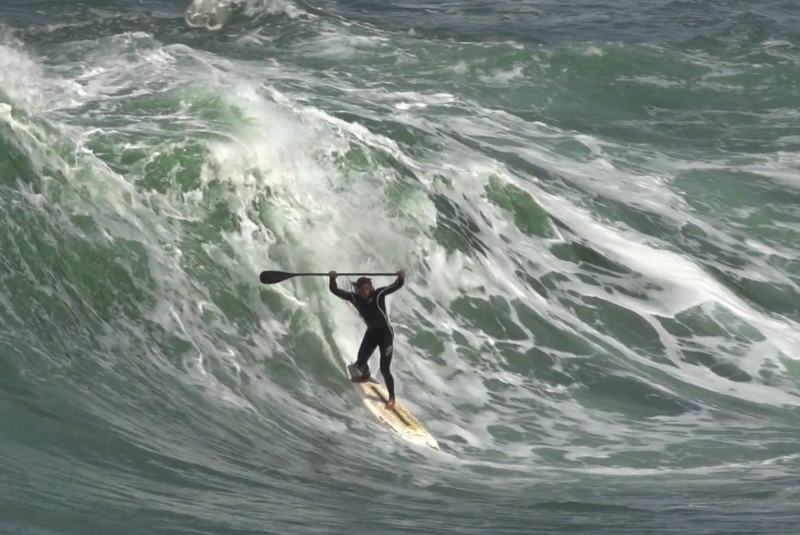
365, 289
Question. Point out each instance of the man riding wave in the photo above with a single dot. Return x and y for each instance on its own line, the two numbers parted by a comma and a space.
371, 306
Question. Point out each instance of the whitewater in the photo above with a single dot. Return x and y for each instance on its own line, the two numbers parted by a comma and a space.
597, 208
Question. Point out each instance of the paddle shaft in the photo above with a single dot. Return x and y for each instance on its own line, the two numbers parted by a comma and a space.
345, 274
274, 277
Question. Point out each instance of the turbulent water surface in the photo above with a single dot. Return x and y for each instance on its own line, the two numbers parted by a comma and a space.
597, 205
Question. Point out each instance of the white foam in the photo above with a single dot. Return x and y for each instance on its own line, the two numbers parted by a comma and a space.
337, 218
20, 77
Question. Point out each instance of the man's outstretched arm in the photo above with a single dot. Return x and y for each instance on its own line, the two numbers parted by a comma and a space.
335, 290
393, 287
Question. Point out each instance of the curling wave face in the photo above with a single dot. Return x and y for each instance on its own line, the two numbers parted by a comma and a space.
600, 246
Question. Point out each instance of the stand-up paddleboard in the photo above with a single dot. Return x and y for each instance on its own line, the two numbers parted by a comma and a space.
209, 14
399, 419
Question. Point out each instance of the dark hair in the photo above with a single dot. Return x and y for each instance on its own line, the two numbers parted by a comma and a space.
361, 281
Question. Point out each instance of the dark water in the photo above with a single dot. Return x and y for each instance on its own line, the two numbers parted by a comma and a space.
596, 205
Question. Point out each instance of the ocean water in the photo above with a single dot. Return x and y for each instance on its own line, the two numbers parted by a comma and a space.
597, 205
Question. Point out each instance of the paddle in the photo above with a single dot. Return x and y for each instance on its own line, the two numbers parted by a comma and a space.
274, 277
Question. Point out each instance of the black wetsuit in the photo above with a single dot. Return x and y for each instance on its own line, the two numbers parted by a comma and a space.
379, 331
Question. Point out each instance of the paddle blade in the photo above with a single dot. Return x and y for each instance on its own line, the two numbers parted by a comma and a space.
274, 277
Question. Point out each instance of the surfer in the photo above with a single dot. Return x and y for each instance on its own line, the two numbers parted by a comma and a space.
371, 305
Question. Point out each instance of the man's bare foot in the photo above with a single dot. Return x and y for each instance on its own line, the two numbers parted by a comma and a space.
389, 405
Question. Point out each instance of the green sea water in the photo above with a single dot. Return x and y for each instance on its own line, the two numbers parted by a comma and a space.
597, 207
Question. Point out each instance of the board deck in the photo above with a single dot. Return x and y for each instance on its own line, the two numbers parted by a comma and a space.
399, 419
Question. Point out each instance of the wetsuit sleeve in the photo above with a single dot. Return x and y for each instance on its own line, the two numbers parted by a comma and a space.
393, 287
338, 292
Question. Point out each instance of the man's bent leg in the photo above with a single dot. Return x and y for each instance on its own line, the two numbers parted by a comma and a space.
368, 345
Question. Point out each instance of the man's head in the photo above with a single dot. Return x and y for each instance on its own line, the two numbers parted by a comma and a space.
364, 287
